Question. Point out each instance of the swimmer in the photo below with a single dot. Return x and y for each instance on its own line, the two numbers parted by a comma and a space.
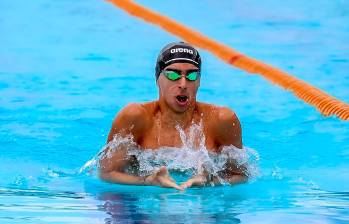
153, 124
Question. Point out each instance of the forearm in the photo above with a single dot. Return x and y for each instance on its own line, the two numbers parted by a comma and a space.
214, 180
231, 179
122, 178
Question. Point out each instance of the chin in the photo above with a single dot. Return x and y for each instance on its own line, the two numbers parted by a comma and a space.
181, 109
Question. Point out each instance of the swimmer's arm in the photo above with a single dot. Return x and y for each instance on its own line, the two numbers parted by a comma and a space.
229, 133
113, 172
230, 175
206, 179
112, 169
227, 129
130, 121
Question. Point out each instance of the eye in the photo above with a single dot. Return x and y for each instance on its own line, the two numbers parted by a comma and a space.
192, 76
172, 75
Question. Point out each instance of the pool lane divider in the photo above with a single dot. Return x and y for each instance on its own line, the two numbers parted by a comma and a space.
325, 103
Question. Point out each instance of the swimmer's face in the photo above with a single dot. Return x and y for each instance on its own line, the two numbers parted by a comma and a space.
180, 94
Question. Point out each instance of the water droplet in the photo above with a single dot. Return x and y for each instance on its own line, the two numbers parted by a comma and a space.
190, 159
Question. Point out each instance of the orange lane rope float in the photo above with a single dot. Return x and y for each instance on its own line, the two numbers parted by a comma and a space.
324, 102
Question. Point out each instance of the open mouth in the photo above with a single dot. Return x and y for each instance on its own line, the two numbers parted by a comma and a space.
182, 99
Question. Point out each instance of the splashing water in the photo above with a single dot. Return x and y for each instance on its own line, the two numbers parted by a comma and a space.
190, 159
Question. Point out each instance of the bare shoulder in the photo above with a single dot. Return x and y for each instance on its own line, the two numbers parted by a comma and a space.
133, 112
224, 123
220, 114
132, 119
226, 115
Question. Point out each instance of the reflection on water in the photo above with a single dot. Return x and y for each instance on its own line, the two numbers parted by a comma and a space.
165, 207
122, 208
223, 204
111, 203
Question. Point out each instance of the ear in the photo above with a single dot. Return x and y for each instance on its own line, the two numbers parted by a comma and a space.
159, 80
158, 84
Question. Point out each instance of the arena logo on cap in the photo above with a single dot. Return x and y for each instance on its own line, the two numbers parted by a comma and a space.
182, 50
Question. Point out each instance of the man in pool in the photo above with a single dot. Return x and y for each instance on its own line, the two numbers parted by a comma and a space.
153, 124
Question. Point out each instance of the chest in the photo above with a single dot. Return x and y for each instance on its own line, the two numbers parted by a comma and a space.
157, 136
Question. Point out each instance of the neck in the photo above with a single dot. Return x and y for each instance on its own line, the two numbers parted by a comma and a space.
171, 118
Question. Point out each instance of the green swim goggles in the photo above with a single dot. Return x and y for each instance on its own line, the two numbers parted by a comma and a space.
175, 75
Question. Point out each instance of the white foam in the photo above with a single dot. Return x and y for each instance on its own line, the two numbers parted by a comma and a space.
191, 158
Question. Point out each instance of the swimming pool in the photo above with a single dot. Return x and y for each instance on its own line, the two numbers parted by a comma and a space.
68, 66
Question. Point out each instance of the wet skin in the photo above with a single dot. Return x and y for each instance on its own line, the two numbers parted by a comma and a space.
153, 125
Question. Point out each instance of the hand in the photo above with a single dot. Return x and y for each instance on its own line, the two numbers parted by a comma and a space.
162, 178
198, 180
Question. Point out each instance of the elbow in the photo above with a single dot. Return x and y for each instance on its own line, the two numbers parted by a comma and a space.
110, 176
238, 179
243, 178
105, 175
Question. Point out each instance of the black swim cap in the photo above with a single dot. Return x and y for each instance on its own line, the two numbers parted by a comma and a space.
174, 53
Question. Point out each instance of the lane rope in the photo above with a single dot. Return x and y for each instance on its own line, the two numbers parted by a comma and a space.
325, 103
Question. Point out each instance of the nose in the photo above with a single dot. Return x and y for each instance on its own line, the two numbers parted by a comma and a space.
182, 82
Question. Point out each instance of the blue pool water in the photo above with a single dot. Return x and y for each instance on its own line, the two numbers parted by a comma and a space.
67, 67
